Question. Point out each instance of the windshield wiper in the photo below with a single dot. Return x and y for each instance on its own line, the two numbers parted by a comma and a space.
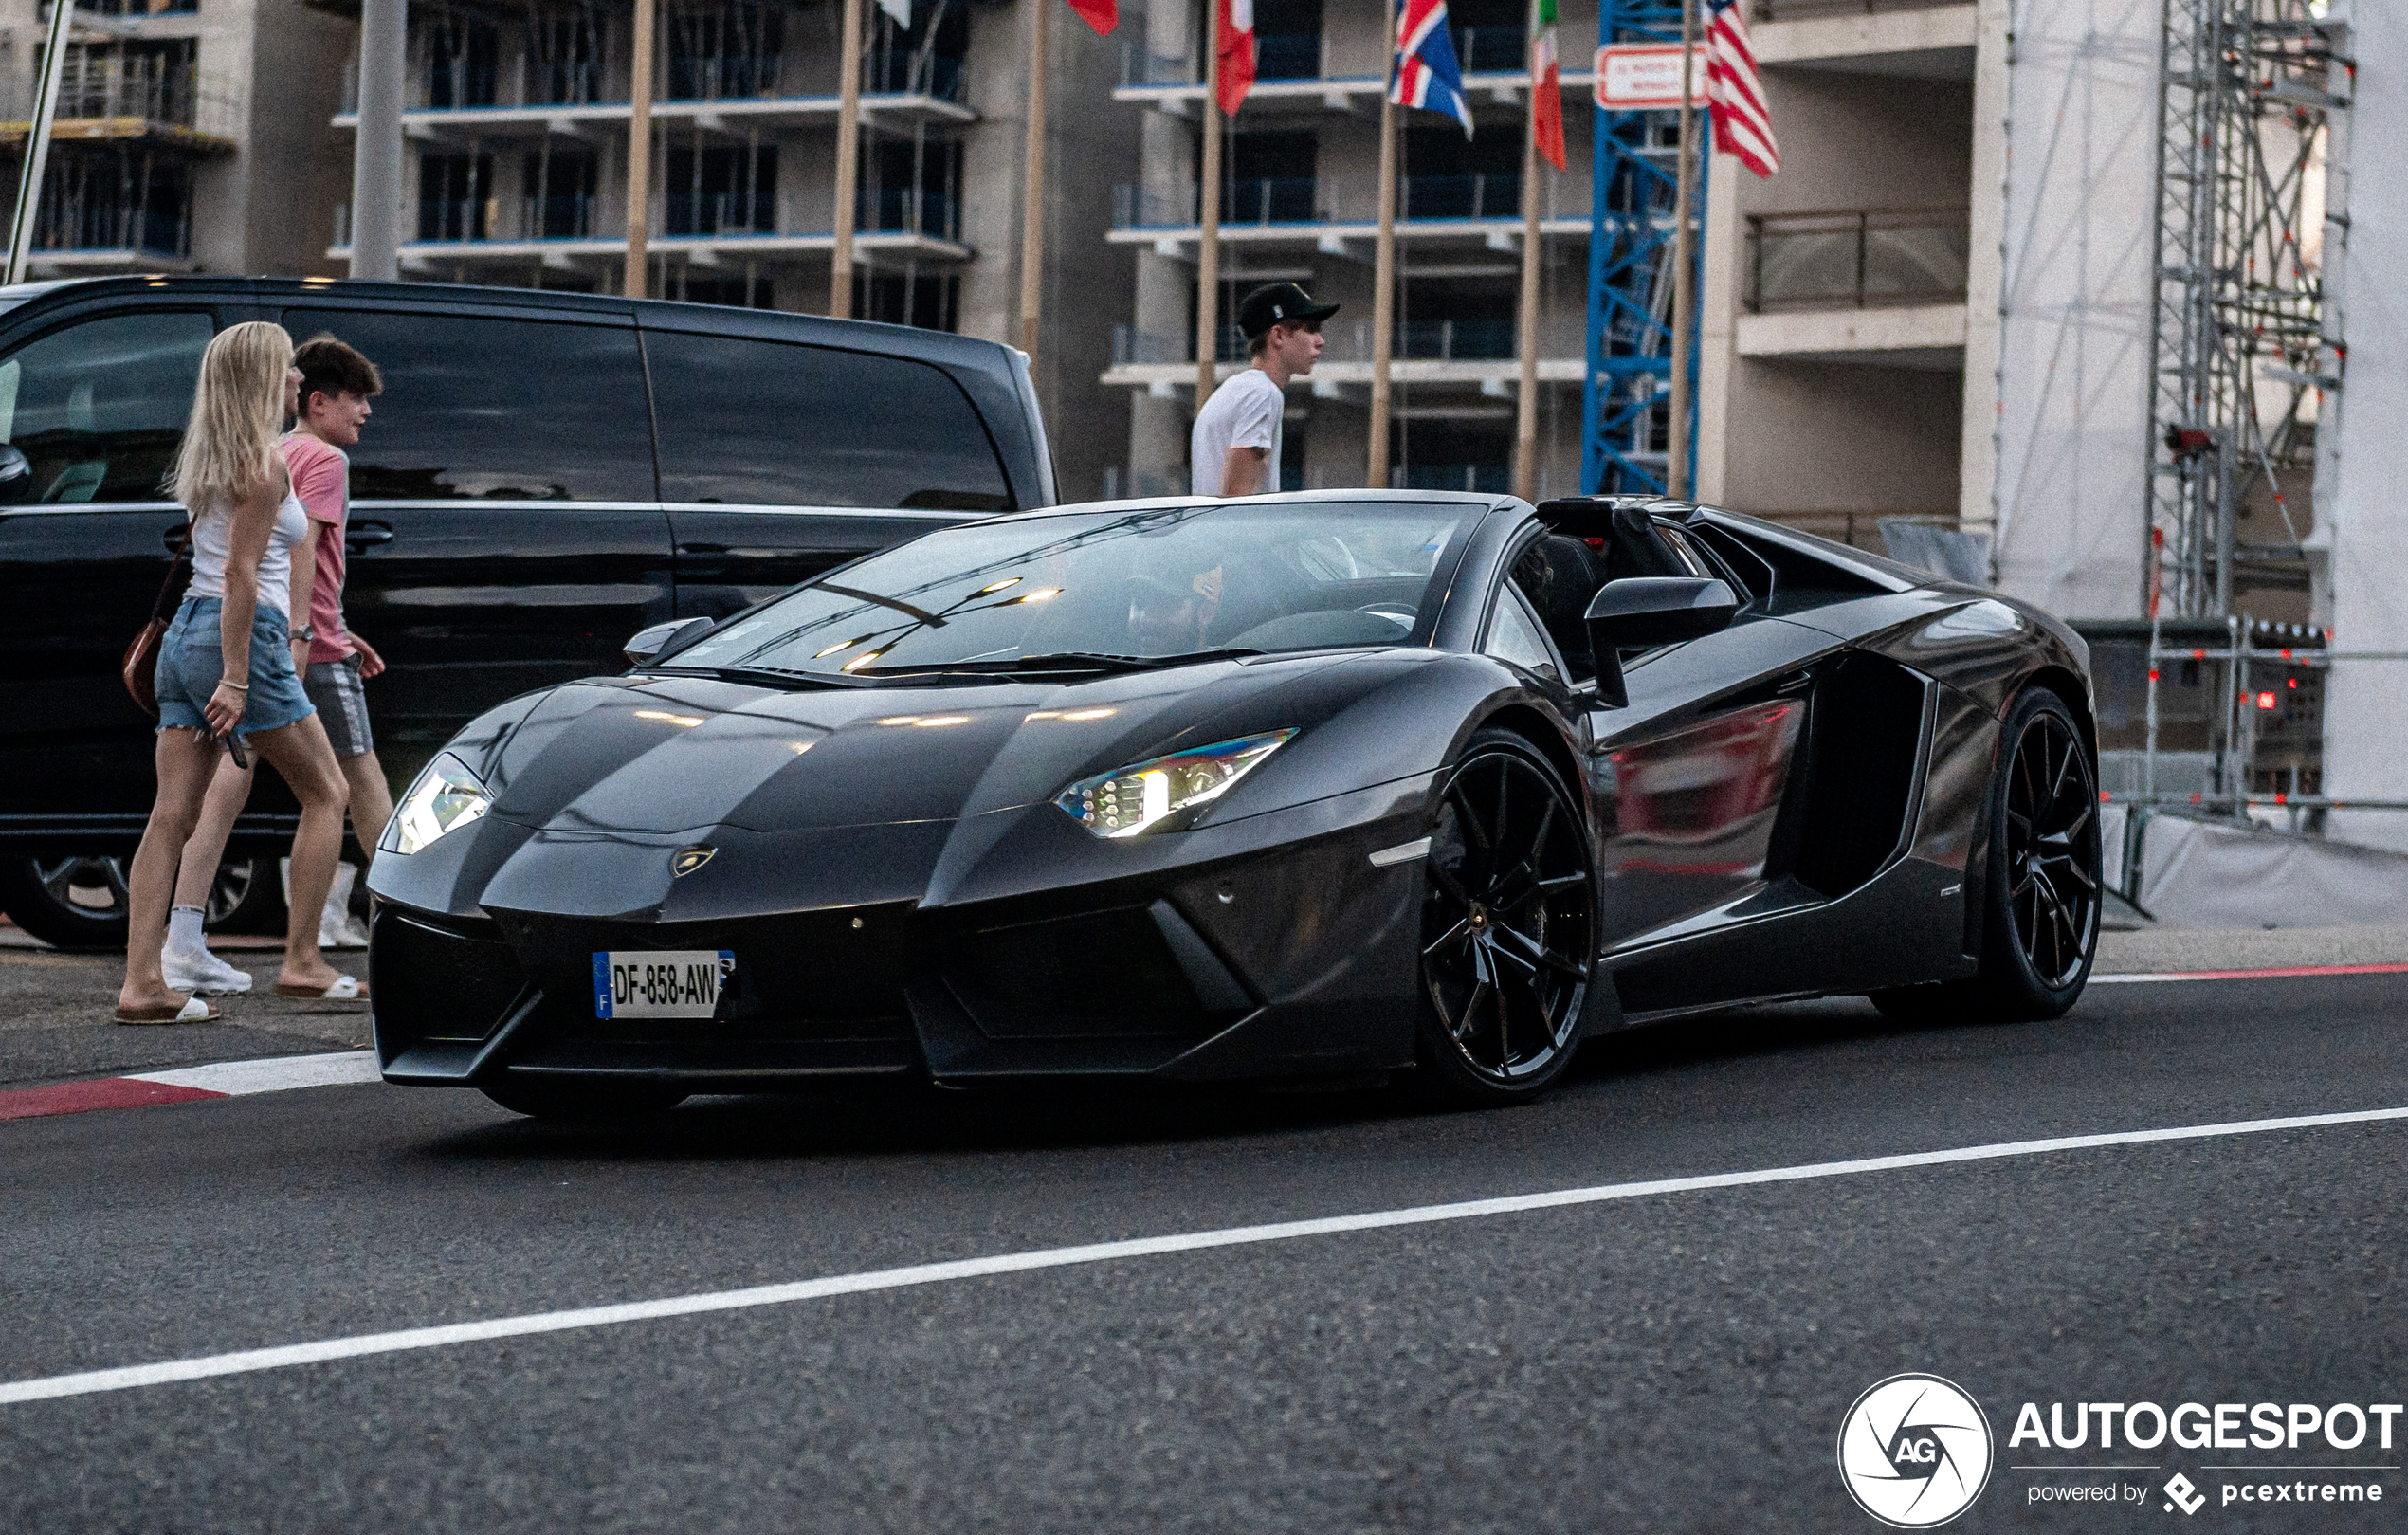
778, 677
1064, 661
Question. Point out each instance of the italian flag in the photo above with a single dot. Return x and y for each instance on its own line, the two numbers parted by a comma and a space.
1547, 84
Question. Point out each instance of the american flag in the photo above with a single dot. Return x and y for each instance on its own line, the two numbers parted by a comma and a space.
1734, 96
1427, 74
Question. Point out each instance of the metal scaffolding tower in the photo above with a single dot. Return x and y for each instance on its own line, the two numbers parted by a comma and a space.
2246, 89
1625, 401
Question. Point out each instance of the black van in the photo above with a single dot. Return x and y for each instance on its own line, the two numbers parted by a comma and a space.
545, 474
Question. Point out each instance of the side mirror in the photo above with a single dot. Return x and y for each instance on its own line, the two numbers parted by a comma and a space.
649, 644
1639, 612
16, 477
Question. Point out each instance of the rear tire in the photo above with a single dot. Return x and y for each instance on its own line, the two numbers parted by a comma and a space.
1508, 927
2040, 884
584, 1103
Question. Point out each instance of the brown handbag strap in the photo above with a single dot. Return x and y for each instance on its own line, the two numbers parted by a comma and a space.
179, 573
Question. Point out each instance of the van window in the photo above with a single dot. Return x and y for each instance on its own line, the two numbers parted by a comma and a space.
776, 424
98, 407
501, 410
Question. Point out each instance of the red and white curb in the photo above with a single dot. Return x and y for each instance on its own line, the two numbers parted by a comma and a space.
191, 1084
2269, 972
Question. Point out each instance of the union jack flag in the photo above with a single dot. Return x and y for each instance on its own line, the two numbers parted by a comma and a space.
1427, 74
1734, 94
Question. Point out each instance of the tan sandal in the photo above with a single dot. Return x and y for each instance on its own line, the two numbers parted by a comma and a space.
191, 1010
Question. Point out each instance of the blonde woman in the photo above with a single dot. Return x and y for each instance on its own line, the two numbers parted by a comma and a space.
227, 672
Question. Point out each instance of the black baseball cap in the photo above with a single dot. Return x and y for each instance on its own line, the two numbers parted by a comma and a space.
1274, 301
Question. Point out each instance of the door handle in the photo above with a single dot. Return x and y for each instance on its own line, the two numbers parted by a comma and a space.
702, 548
174, 537
363, 534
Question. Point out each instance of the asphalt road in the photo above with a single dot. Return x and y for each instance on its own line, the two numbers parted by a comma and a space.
1673, 1362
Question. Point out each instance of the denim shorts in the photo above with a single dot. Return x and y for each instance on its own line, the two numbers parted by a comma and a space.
191, 660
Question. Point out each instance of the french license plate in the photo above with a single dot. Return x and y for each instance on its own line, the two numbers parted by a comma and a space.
660, 983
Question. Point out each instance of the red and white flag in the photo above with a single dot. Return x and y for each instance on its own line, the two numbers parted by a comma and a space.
1100, 14
1235, 43
1734, 94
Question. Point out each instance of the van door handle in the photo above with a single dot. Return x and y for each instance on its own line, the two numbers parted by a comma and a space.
702, 548
361, 535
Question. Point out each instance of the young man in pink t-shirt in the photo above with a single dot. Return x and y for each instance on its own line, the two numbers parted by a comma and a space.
337, 384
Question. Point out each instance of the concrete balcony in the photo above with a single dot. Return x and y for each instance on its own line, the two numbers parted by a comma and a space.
1337, 216
1928, 42
576, 118
1909, 335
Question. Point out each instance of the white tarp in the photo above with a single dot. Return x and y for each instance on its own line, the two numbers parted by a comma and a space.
2073, 444
2219, 874
2358, 495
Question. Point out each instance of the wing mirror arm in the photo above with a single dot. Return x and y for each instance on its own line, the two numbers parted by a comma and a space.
1639, 612
649, 645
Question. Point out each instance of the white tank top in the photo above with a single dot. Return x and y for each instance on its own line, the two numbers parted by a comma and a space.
212, 538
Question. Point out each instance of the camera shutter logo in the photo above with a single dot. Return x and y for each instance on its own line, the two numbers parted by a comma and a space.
1915, 1451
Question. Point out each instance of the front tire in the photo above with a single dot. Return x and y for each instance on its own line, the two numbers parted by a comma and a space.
584, 1103
1508, 926
2040, 884
70, 901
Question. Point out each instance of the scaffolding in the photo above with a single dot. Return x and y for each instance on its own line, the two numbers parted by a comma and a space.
1625, 398
2246, 90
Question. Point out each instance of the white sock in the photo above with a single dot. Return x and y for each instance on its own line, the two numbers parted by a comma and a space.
184, 930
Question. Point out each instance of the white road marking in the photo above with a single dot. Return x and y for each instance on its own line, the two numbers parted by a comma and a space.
273, 1075
251, 1361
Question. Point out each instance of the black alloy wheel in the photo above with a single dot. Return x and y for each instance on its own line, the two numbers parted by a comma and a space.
2051, 850
1508, 926
2040, 885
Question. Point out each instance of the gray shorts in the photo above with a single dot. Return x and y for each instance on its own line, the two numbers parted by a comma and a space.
333, 686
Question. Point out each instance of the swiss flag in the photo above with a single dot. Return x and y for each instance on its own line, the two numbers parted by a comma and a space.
1100, 14
1236, 28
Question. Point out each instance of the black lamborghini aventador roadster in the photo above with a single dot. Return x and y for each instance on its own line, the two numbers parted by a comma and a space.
1312, 786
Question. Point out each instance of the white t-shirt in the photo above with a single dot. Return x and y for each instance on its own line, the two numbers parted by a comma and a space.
1244, 412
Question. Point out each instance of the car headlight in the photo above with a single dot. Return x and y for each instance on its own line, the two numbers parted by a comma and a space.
1124, 802
446, 797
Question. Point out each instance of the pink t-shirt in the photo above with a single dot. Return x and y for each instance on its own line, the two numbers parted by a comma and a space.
321, 478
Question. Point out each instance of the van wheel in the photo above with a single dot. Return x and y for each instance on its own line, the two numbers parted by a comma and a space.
71, 901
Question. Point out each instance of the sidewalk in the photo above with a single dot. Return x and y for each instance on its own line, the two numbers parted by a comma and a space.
55, 1008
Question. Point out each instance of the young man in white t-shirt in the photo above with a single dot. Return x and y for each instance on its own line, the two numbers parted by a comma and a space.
1235, 446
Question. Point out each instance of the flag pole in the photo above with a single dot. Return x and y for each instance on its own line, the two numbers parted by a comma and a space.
1208, 245
1033, 183
639, 151
1525, 424
840, 266
1383, 280
1676, 479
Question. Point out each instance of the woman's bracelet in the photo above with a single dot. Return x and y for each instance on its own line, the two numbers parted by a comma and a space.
228, 682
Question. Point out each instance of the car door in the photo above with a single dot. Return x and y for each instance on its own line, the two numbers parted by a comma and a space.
780, 460
506, 529
1689, 777
95, 404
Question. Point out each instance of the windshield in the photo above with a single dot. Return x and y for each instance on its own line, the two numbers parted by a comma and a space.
1098, 586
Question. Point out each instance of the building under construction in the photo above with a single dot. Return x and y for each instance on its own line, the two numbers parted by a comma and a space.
517, 114
190, 135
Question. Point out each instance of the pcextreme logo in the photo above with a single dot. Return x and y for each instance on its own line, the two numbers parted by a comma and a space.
1915, 1451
